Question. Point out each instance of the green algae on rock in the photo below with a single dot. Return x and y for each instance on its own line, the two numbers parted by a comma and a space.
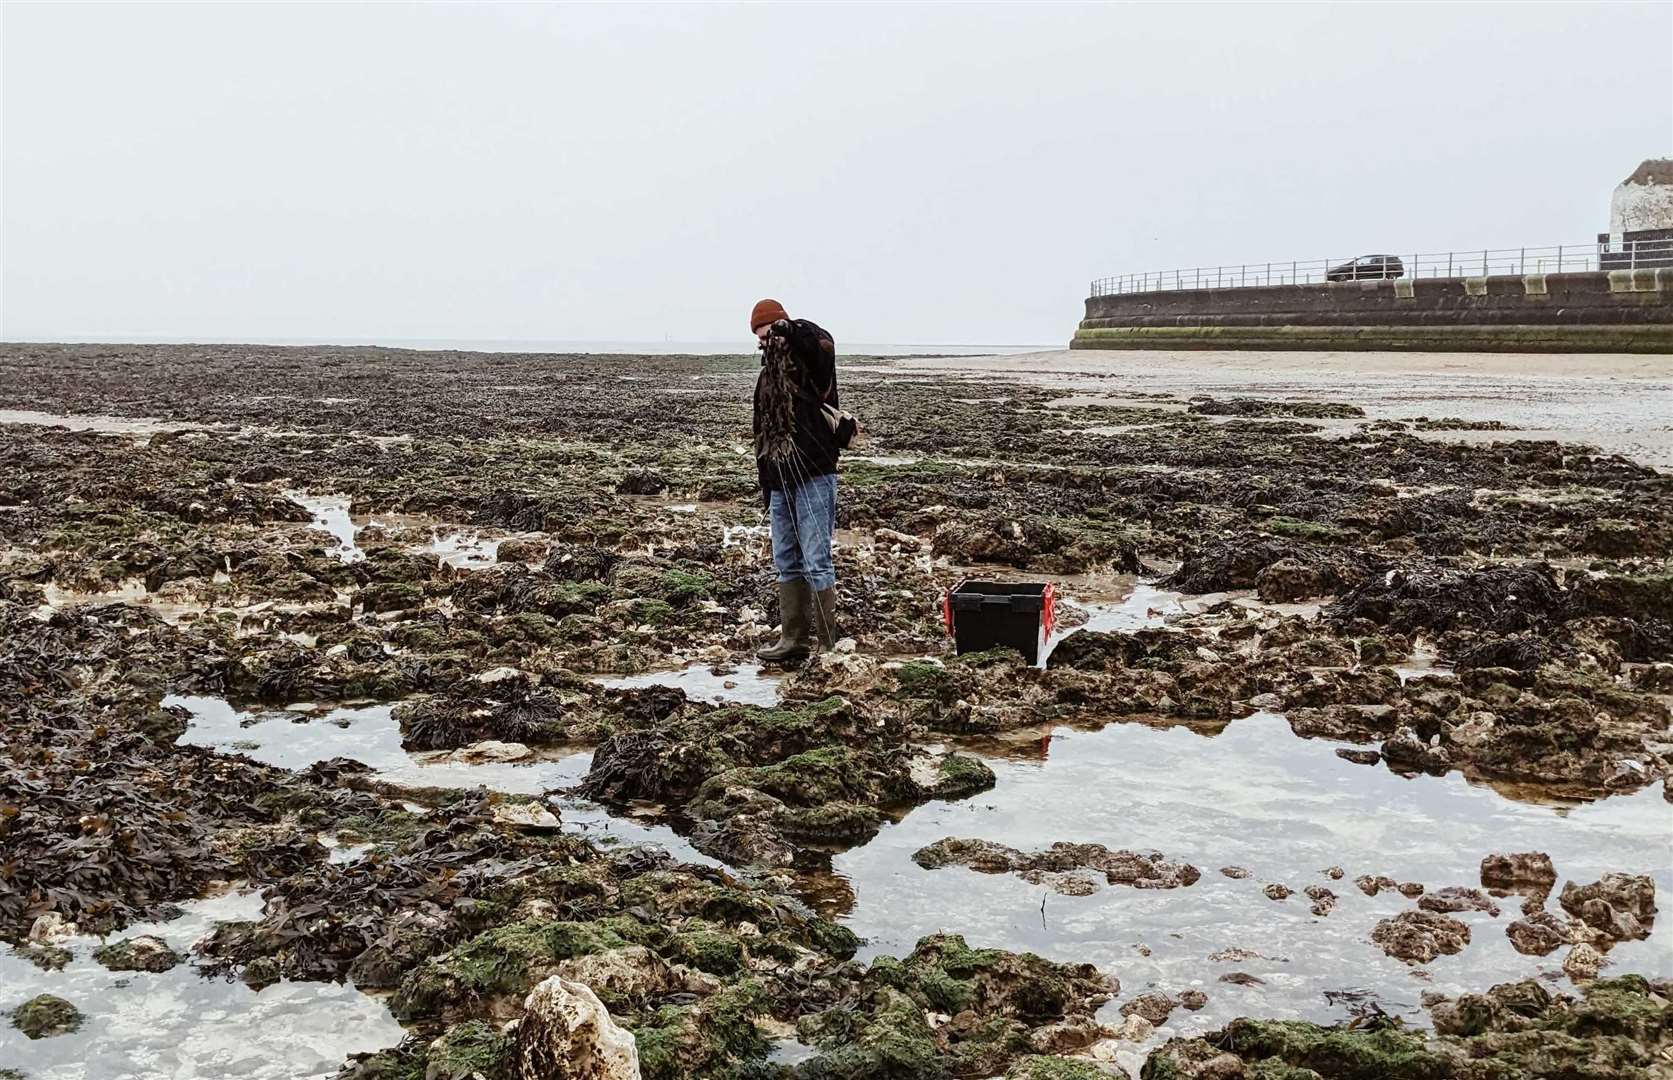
1620, 1029
1036, 1067
144, 953
466, 1051
989, 1002
45, 1015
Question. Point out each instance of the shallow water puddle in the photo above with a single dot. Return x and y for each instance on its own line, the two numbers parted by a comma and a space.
371, 735
1423, 661
331, 515
748, 685
1285, 809
738, 535
1144, 605
178, 1025
368, 734
464, 550
103, 425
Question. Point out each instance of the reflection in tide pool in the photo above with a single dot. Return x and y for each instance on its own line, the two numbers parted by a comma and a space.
178, 1025
371, 736
1284, 808
464, 550
748, 684
331, 515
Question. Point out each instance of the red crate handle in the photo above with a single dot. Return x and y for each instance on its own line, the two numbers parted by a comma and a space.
1048, 608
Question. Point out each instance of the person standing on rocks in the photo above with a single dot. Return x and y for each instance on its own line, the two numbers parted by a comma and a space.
799, 432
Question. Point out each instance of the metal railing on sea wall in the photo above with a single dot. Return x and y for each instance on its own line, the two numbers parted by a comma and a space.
1625, 254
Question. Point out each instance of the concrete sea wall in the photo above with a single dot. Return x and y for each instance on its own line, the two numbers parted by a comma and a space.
1596, 311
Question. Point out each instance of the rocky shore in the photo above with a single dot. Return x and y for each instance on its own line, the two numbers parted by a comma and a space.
534, 562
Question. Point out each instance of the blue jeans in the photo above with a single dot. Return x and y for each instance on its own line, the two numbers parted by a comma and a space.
803, 520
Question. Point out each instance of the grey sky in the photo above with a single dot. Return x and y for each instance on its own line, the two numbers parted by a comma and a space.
901, 173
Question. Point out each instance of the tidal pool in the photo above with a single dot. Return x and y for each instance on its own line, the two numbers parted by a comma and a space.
370, 735
747, 685
1257, 797
180, 1025
331, 515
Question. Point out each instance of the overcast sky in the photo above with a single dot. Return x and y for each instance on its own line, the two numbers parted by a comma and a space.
900, 173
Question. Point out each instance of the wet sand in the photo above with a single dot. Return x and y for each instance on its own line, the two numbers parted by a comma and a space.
1622, 404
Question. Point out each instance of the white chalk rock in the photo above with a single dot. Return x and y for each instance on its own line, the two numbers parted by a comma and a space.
490, 751
52, 929
567, 1034
525, 816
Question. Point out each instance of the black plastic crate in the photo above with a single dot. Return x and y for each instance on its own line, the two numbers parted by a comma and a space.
989, 614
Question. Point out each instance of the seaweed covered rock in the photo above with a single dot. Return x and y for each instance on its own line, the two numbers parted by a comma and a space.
96, 792
1035, 1067
1034, 543
717, 1036
1621, 1029
496, 969
762, 781
1262, 407
1501, 599
1060, 866
45, 1015
143, 953
1292, 568
447, 879
508, 710
948, 1010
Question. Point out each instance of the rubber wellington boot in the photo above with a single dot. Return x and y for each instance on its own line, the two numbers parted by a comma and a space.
794, 600
824, 617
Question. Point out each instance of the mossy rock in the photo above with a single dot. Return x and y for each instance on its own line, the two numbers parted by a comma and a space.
534, 626
892, 1038
1311, 531
961, 775
924, 680
815, 778
1004, 993
1620, 1007
833, 823
45, 1015
390, 596
144, 953
507, 960
716, 1037
681, 587
650, 612
717, 952
467, 1051
46, 957
1035, 1067
1389, 1054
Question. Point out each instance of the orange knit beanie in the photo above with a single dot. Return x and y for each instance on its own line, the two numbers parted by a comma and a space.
764, 312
